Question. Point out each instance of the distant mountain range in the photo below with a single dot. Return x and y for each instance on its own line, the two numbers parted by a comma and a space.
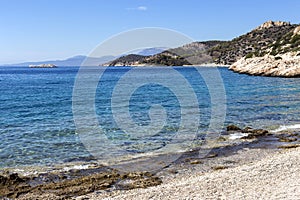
148, 51
89, 61
69, 62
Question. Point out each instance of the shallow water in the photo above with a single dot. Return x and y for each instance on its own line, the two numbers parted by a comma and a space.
36, 116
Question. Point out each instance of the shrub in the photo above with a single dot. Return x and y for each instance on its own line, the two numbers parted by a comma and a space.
249, 55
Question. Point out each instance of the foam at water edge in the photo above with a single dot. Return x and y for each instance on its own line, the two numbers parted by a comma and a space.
76, 167
235, 136
284, 127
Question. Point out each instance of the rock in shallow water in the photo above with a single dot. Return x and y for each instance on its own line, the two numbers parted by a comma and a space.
233, 128
251, 133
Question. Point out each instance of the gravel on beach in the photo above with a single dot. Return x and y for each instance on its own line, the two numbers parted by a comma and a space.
276, 176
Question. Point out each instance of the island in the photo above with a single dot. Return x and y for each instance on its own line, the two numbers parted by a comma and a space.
43, 66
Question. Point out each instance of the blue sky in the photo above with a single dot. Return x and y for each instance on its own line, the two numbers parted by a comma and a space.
55, 29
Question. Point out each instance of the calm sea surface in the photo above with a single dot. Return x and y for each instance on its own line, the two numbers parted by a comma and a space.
36, 117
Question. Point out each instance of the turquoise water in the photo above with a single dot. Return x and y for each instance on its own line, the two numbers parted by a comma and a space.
36, 117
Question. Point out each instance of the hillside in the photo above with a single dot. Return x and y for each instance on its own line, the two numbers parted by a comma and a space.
126, 60
189, 54
255, 43
281, 58
268, 38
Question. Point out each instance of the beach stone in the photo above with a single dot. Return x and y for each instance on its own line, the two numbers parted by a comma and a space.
219, 167
221, 139
195, 162
233, 128
289, 146
247, 129
287, 139
211, 155
253, 133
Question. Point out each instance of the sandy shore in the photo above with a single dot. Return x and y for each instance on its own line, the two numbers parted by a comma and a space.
276, 176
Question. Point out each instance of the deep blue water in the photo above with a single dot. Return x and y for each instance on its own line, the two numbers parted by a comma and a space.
37, 124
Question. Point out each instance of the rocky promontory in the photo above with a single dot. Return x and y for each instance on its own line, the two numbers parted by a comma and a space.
282, 65
281, 58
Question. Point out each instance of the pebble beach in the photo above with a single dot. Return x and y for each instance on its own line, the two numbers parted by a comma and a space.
276, 176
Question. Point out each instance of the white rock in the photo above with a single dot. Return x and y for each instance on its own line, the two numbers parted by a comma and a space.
284, 65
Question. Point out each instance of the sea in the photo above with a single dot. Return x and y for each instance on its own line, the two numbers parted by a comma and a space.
138, 110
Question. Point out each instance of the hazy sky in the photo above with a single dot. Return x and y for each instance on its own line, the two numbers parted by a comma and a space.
54, 29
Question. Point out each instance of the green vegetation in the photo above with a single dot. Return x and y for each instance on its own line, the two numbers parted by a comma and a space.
167, 59
258, 42
249, 55
287, 43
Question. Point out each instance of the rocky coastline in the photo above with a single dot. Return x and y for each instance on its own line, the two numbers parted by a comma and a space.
92, 180
281, 65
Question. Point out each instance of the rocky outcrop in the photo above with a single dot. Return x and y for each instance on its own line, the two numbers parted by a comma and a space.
233, 127
250, 133
285, 65
297, 30
270, 24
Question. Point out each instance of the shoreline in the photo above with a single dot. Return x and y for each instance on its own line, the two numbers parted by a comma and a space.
99, 181
150, 66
